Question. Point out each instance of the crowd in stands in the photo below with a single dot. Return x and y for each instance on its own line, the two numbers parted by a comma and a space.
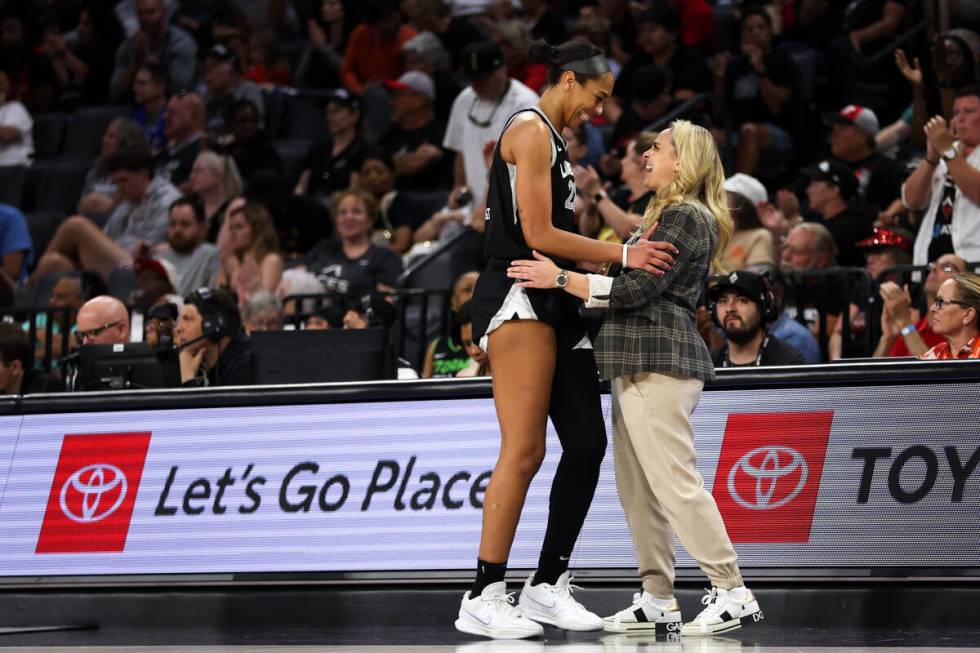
169, 167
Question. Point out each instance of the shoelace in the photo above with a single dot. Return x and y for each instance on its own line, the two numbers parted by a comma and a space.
713, 609
565, 592
504, 602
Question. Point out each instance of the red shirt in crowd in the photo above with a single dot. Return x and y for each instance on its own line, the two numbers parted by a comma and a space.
368, 59
928, 336
941, 351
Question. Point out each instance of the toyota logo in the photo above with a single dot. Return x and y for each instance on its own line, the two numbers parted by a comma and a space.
771, 467
97, 485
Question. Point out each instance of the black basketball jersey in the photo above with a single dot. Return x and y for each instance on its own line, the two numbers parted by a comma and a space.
504, 238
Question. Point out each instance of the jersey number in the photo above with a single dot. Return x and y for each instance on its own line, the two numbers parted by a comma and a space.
570, 202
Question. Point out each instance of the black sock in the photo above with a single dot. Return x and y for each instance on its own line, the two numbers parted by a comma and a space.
487, 573
550, 567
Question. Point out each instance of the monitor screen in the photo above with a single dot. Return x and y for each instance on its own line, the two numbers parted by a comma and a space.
128, 366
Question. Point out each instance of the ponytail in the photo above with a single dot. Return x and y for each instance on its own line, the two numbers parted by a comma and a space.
578, 56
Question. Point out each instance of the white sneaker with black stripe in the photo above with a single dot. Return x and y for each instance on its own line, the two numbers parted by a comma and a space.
554, 605
492, 614
725, 611
647, 614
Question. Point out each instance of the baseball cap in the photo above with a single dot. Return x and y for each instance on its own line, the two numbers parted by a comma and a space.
885, 237
861, 117
344, 98
749, 284
748, 187
414, 80
834, 173
160, 267
224, 53
480, 59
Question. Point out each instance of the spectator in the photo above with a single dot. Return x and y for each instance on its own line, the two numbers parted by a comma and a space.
158, 42
785, 327
832, 193
135, 226
196, 261
751, 243
16, 250
269, 68
263, 312
514, 38
99, 195
373, 311
155, 282
446, 355
946, 183
412, 140
744, 304
215, 180
444, 19
224, 85
17, 373
82, 60
374, 52
297, 281
868, 27
15, 52
955, 314
758, 88
478, 116
127, 14
479, 361
327, 34
252, 261
69, 292
214, 348
247, 143
425, 53
102, 320
150, 98
543, 21
184, 130
658, 40
903, 331
160, 322
815, 301
852, 142
648, 101
332, 165
353, 265
200, 17
16, 125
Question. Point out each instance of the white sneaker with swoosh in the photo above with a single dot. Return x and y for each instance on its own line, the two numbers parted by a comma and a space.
554, 605
492, 614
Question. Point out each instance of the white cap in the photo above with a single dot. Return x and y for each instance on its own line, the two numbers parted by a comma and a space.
748, 187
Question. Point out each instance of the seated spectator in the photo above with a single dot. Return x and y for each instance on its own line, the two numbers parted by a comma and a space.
16, 250
903, 331
195, 260
82, 61
184, 130
102, 320
70, 292
99, 195
263, 312
479, 361
17, 373
373, 310
327, 33
852, 142
159, 328
449, 21
744, 304
155, 282
215, 181
814, 300
413, 138
332, 165
156, 41
955, 314
224, 85
214, 348
374, 51
300, 221
425, 53
268, 68
751, 243
758, 87
353, 265
200, 19
135, 226
649, 100
946, 183
150, 98
247, 143
446, 355
513, 37
785, 327
252, 262
16, 125
832, 193
127, 14
296, 282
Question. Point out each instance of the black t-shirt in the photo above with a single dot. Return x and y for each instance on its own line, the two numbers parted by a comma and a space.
859, 15
847, 228
744, 92
448, 358
354, 277
687, 68
175, 164
328, 173
233, 366
253, 156
621, 198
438, 174
879, 180
773, 351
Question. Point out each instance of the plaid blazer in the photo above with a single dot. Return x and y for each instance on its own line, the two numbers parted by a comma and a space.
651, 322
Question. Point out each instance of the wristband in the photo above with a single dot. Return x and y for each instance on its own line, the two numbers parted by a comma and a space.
908, 330
625, 251
598, 197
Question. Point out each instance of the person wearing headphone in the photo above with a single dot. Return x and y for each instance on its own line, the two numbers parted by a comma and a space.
743, 304
213, 346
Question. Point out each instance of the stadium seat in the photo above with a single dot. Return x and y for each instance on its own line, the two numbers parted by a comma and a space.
57, 185
293, 154
83, 136
121, 283
49, 131
42, 225
303, 118
13, 180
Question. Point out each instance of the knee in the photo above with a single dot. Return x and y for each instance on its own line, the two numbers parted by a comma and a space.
587, 453
523, 461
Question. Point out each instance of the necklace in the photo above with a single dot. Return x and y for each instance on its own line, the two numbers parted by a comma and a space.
493, 112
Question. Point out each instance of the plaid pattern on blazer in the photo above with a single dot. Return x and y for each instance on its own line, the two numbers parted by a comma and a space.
651, 322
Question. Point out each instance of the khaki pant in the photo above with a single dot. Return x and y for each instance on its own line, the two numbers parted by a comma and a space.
659, 484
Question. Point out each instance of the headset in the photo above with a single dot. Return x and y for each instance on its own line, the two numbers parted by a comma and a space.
214, 324
768, 310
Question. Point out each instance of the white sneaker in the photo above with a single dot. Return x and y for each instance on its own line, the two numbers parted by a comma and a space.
492, 614
648, 613
554, 605
725, 610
